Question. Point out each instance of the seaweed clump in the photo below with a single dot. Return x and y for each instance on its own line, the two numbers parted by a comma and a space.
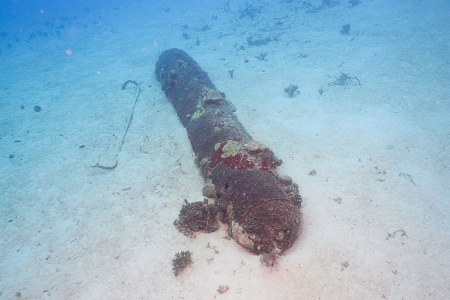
226, 8
250, 11
343, 80
291, 89
222, 289
259, 41
181, 261
345, 29
261, 56
197, 216
354, 2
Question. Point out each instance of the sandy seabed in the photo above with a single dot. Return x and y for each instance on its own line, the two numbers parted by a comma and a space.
371, 156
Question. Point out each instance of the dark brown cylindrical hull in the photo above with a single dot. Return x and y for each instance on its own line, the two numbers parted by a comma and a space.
263, 213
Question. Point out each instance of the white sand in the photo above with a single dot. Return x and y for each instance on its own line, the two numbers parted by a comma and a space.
69, 231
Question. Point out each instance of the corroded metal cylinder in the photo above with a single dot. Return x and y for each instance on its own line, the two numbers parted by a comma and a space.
262, 212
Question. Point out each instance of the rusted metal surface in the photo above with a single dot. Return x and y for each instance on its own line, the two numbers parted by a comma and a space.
262, 211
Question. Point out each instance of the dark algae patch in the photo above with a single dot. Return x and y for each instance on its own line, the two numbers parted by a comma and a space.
181, 261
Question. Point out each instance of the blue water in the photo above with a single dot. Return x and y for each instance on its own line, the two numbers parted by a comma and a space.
365, 136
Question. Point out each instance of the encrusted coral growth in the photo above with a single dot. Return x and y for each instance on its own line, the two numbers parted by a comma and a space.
212, 96
181, 261
256, 146
197, 216
230, 148
270, 259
